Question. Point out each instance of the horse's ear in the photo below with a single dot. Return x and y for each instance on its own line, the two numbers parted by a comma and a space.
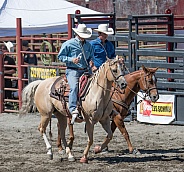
121, 60
154, 70
145, 69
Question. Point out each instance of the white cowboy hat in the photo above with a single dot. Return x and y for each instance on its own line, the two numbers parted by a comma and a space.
83, 31
104, 28
9, 46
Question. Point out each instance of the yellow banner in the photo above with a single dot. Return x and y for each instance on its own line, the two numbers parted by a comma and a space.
162, 109
42, 73
157, 109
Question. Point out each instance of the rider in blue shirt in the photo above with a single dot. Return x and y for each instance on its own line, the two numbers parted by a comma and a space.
77, 54
102, 47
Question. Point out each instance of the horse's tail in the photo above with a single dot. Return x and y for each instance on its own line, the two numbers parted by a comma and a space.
28, 93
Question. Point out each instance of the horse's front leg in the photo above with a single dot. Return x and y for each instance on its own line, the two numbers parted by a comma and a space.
71, 138
58, 143
119, 121
62, 125
90, 130
107, 127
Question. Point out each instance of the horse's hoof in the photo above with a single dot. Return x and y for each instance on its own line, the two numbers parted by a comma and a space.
135, 152
84, 160
61, 152
71, 159
51, 156
97, 149
105, 150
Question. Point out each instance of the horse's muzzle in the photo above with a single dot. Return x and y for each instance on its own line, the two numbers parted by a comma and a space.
121, 82
123, 85
154, 98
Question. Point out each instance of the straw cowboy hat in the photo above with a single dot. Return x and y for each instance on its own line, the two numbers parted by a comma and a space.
104, 28
9, 46
83, 31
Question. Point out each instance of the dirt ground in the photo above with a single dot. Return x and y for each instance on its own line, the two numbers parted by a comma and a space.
22, 149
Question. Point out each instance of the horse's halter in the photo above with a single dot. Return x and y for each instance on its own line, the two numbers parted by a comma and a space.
144, 81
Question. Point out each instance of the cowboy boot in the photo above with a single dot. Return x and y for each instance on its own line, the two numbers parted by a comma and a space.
75, 114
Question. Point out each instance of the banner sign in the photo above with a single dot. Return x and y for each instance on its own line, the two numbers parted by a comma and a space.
36, 73
161, 112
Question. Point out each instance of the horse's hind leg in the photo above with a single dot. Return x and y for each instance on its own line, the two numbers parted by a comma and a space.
42, 128
106, 126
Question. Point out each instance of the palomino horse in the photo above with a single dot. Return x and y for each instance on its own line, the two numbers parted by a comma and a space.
96, 107
139, 80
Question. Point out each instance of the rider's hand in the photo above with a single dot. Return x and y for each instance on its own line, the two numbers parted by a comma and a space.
76, 60
94, 69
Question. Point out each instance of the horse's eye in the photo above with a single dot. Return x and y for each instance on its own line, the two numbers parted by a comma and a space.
115, 70
150, 81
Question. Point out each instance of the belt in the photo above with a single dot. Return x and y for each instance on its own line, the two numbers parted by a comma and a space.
73, 68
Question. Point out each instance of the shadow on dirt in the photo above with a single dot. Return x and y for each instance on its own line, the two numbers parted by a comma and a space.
145, 156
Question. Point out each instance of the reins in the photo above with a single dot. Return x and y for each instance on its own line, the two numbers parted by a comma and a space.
121, 103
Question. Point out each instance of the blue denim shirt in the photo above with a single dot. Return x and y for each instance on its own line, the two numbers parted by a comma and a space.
100, 53
71, 49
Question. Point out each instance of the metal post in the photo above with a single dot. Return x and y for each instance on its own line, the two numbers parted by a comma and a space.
87, 3
19, 59
170, 45
1, 82
114, 6
136, 42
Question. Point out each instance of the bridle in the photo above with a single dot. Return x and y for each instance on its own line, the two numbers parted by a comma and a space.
115, 77
145, 85
121, 72
146, 91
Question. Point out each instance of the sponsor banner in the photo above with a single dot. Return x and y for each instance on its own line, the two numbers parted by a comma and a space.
161, 112
36, 73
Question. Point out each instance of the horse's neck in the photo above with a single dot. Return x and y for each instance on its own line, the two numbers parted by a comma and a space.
101, 79
100, 84
133, 87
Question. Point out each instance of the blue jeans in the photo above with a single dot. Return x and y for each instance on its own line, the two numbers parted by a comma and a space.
73, 81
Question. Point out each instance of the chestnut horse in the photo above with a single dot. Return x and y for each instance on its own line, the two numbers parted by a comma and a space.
144, 80
96, 107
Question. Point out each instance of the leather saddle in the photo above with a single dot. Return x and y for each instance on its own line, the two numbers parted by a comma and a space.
60, 88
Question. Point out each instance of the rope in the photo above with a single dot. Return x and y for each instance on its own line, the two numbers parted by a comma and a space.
46, 58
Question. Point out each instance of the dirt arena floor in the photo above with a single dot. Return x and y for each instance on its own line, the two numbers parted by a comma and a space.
22, 149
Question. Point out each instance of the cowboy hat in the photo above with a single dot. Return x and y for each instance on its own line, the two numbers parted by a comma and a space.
83, 31
105, 29
9, 46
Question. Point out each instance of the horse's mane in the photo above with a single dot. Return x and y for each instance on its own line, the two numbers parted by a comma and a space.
137, 71
96, 74
151, 70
